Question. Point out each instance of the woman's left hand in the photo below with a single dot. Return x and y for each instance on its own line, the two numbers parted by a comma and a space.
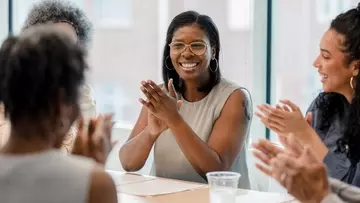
162, 105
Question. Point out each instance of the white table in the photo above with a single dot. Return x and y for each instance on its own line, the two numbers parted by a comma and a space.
134, 188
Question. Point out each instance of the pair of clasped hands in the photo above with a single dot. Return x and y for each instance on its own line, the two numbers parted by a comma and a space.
162, 105
95, 142
284, 118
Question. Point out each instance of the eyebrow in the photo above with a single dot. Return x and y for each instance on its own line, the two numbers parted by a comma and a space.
179, 40
325, 50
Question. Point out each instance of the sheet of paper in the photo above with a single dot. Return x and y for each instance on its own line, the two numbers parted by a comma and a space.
157, 187
256, 196
122, 178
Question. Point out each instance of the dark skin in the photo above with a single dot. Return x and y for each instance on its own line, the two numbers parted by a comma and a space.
46, 134
160, 112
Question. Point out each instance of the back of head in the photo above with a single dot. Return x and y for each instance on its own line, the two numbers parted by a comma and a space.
347, 24
61, 11
40, 69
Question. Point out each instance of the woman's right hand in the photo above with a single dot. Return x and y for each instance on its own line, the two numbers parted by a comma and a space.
297, 168
155, 125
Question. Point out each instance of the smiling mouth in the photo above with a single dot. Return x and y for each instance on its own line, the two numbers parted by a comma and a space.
188, 66
323, 77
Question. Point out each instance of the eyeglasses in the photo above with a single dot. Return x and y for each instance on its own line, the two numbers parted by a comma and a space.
198, 48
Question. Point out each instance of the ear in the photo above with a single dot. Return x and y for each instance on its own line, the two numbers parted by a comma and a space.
213, 52
356, 71
355, 66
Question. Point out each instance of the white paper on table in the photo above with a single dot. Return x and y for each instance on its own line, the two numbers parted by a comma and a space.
268, 197
157, 187
122, 178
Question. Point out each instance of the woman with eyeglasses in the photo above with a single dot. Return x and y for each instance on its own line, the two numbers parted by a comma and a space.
197, 121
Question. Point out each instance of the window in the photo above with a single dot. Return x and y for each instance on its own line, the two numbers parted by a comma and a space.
3, 20
295, 45
329, 9
112, 13
239, 14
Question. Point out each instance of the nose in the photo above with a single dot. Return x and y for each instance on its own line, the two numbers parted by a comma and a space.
317, 63
187, 52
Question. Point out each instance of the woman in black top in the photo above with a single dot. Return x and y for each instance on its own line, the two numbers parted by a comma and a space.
335, 113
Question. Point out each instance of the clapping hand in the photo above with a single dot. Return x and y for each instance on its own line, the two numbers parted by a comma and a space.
94, 142
283, 119
160, 104
296, 168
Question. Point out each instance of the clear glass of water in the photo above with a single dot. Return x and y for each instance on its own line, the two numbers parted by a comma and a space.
223, 186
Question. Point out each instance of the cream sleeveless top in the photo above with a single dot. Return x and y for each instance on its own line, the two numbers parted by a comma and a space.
45, 177
169, 160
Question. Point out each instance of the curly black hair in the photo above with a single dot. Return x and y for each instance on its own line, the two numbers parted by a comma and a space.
35, 77
348, 25
61, 11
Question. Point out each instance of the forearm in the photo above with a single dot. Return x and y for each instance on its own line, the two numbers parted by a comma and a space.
345, 192
199, 154
332, 198
134, 153
309, 137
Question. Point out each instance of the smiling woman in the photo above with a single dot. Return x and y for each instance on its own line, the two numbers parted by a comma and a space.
198, 121
335, 113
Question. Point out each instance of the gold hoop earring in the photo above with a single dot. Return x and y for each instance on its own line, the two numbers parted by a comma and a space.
352, 82
217, 65
166, 59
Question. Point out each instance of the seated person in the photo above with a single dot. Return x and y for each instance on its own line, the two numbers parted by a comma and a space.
304, 176
67, 17
41, 74
4, 127
335, 112
197, 121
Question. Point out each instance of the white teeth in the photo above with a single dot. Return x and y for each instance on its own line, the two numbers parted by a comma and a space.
323, 76
188, 65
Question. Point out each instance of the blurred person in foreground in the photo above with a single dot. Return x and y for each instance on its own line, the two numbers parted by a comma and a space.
67, 17
42, 71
